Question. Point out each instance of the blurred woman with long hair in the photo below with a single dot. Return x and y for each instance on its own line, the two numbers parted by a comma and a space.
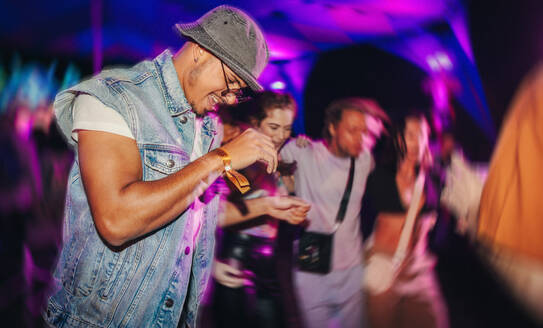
413, 299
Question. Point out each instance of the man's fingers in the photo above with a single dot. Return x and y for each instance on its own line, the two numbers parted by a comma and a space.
270, 157
275, 161
267, 146
267, 142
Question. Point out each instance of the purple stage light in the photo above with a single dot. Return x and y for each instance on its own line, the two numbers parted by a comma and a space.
278, 85
439, 61
444, 61
433, 63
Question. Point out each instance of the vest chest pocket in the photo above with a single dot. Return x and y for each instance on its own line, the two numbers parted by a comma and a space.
162, 160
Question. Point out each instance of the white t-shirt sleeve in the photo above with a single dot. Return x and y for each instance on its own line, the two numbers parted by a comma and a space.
91, 114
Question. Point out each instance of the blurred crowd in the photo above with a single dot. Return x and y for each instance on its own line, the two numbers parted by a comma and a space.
35, 161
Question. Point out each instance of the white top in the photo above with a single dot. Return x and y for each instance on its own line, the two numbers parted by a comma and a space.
197, 205
321, 179
197, 150
90, 113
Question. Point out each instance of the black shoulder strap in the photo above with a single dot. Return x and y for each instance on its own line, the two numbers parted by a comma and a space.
346, 195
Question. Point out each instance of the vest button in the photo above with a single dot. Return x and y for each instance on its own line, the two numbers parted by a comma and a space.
169, 303
170, 163
187, 250
183, 119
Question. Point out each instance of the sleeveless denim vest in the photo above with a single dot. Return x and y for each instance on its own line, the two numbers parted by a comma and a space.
159, 279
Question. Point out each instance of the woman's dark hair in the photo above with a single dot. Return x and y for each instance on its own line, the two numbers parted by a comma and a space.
267, 100
256, 108
391, 148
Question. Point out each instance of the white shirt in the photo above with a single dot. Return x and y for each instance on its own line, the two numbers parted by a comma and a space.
320, 179
90, 113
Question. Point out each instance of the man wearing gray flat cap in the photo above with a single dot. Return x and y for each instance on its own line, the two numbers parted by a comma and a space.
141, 206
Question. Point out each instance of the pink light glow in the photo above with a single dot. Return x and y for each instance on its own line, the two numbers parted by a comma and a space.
23, 122
440, 94
413, 8
352, 21
282, 48
321, 34
266, 250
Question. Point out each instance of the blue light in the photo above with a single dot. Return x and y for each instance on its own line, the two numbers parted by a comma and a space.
278, 85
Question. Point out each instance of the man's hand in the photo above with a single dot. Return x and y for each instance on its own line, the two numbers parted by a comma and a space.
288, 208
249, 147
227, 275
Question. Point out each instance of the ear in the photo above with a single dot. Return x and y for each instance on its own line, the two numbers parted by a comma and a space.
254, 122
197, 52
332, 130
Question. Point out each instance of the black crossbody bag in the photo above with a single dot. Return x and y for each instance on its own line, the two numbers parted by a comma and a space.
315, 248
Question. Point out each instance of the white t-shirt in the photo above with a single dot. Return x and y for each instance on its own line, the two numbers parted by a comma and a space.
90, 113
320, 179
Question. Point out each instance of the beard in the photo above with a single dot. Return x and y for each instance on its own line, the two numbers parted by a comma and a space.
195, 111
194, 75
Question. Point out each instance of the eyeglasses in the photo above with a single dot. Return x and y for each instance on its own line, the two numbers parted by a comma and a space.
240, 94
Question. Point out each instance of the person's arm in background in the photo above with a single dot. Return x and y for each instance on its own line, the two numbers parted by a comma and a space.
289, 154
286, 208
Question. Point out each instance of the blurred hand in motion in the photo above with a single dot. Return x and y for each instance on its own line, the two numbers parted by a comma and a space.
288, 208
227, 275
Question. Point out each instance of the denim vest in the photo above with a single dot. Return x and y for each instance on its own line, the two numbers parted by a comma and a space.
159, 279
